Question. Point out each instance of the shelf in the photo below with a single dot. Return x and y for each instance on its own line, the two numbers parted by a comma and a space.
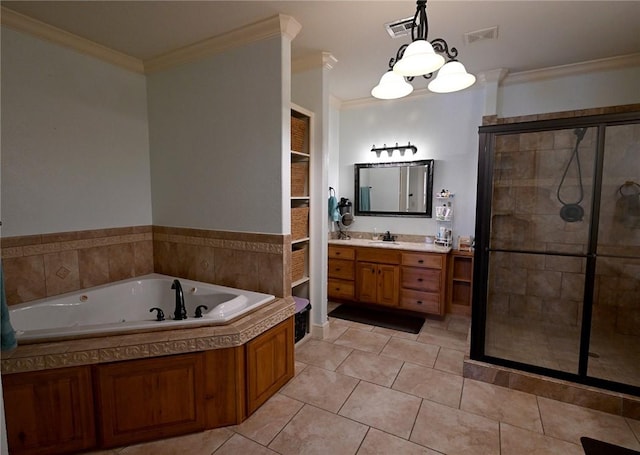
460, 284
300, 281
461, 280
299, 155
300, 200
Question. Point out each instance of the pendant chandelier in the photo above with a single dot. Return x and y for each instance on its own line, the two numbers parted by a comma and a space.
422, 58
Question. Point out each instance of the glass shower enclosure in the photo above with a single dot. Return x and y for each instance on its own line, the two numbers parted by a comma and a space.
557, 270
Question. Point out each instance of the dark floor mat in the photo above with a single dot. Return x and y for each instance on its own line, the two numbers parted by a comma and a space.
595, 447
379, 318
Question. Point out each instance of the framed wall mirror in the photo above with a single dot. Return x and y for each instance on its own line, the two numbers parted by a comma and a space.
394, 189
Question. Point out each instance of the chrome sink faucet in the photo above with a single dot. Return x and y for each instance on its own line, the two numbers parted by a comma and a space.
180, 311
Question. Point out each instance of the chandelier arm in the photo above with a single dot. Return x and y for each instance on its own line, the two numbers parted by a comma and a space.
440, 46
398, 56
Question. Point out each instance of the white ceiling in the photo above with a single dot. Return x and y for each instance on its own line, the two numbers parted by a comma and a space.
532, 34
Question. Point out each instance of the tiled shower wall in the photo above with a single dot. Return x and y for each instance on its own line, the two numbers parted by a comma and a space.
527, 170
547, 288
39, 266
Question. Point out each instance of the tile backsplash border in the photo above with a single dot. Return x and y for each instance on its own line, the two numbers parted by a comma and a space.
45, 265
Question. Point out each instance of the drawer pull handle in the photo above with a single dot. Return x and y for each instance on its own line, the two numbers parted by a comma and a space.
337, 253
419, 302
420, 280
420, 261
337, 269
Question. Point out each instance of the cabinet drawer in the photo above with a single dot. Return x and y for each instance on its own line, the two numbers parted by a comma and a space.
341, 269
424, 302
432, 261
341, 252
379, 255
421, 279
340, 289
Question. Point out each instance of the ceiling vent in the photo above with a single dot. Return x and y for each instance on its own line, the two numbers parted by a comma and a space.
401, 27
481, 35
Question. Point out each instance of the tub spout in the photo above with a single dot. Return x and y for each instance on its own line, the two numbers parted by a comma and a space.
180, 311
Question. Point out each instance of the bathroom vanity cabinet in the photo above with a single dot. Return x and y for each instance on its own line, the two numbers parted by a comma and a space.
52, 411
392, 277
377, 276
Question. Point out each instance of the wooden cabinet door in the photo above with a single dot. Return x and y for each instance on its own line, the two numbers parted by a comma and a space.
269, 363
367, 282
49, 412
224, 387
141, 400
388, 284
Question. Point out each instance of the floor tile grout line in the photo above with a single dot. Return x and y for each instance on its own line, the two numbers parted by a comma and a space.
540, 415
413, 427
637, 436
363, 439
397, 374
464, 382
286, 424
348, 396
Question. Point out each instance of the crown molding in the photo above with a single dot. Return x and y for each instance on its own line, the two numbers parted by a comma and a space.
280, 25
312, 61
335, 102
26, 24
604, 64
289, 26
493, 76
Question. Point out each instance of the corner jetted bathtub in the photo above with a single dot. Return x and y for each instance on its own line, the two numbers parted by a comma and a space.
124, 306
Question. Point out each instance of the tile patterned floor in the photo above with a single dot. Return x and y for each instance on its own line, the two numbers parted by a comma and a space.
366, 390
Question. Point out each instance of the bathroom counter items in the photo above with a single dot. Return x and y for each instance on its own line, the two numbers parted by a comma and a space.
410, 246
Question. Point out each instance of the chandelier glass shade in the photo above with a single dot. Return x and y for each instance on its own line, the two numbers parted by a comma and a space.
391, 86
452, 77
423, 58
419, 58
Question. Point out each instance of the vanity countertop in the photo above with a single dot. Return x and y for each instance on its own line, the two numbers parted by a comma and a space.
410, 246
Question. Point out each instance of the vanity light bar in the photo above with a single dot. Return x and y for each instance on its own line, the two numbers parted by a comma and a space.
400, 148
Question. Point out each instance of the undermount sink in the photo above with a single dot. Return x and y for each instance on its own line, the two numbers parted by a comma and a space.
383, 242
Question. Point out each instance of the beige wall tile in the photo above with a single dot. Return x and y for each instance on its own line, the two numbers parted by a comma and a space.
61, 272
93, 264
24, 279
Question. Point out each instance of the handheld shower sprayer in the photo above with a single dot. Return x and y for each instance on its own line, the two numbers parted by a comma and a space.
573, 211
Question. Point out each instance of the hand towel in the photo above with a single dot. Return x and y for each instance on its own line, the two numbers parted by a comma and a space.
7, 334
365, 198
334, 214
